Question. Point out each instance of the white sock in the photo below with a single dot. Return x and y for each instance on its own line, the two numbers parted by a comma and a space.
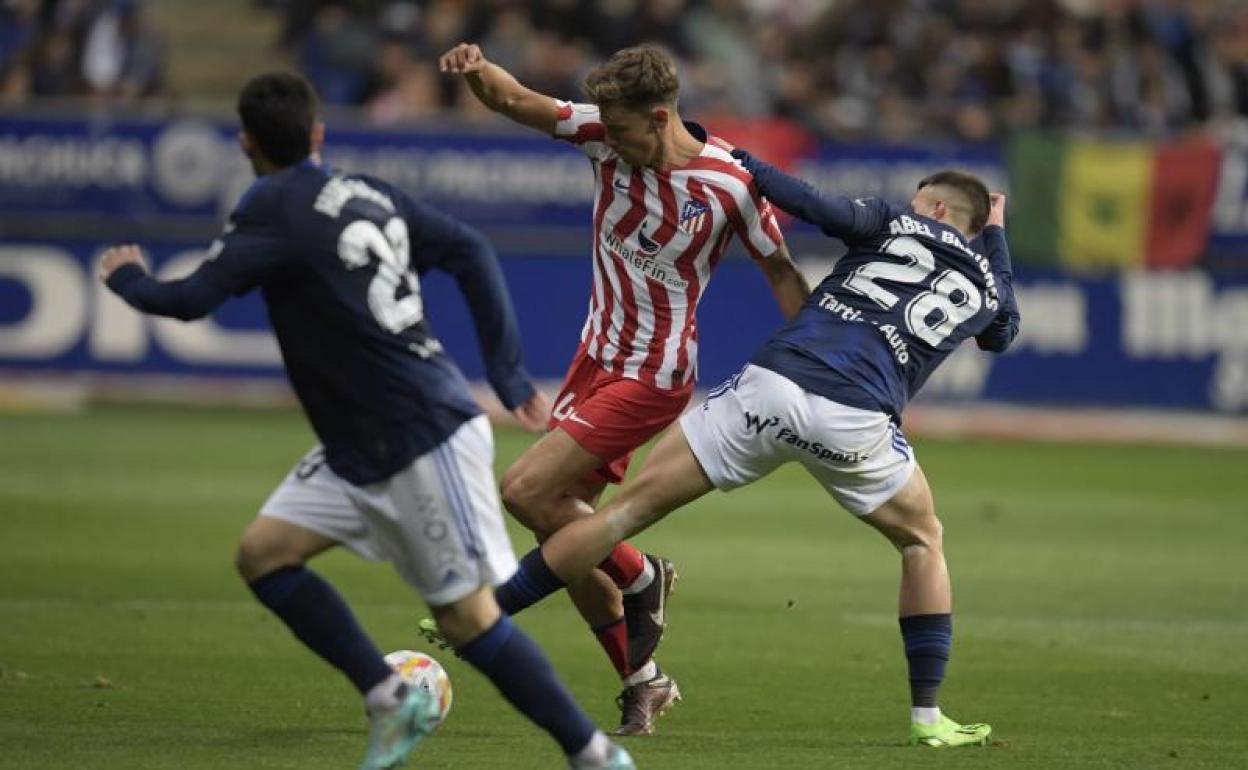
384, 696
595, 752
643, 580
643, 674
925, 715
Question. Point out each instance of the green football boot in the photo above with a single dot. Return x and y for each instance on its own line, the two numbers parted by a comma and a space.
947, 733
428, 630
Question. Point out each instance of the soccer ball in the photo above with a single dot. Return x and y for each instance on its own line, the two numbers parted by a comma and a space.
420, 670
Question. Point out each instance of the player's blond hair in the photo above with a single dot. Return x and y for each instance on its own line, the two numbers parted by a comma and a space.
638, 77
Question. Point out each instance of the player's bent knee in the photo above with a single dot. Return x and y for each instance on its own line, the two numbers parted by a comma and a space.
925, 532
530, 504
907, 527
466, 619
519, 495
258, 554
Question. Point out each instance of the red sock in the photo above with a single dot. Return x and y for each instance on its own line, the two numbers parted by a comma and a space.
624, 565
614, 639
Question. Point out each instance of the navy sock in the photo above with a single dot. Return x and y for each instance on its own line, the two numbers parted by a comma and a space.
521, 672
533, 582
319, 617
927, 639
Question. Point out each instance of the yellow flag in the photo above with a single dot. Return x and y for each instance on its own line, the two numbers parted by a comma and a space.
1106, 188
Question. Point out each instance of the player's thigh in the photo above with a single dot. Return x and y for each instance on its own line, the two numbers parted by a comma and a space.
729, 433
859, 456
309, 512
670, 478
909, 516
554, 464
439, 520
610, 416
268, 544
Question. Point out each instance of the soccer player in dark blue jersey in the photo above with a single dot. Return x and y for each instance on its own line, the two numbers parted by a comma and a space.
404, 469
827, 391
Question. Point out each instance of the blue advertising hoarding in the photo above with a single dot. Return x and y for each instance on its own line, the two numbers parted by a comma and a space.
69, 187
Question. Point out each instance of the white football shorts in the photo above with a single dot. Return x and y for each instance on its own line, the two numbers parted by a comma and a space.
759, 420
438, 521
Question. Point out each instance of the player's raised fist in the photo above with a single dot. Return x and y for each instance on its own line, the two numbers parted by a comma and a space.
996, 209
127, 254
463, 59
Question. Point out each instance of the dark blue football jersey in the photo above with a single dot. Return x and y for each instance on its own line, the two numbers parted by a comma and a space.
907, 293
338, 260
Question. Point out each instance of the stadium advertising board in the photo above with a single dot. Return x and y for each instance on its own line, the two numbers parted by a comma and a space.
69, 187
1161, 339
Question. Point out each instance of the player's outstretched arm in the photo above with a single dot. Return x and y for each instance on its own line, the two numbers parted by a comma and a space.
124, 270
836, 215
499, 90
1004, 327
441, 241
787, 282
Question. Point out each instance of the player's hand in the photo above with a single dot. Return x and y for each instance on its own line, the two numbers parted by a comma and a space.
127, 254
996, 209
534, 413
463, 59
747, 160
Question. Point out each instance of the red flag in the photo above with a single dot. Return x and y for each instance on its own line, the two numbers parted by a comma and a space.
1185, 177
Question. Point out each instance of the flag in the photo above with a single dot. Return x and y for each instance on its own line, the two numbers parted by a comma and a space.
1093, 204
1035, 181
1180, 213
1104, 205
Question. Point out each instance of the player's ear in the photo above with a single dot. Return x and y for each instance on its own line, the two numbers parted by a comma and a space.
245, 142
659, 117
318, 137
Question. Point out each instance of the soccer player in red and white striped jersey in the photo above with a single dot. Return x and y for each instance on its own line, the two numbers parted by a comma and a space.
668, 200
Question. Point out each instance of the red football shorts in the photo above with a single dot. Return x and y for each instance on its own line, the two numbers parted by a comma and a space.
610, 415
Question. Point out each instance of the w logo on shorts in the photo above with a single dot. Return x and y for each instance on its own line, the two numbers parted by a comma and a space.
759, 424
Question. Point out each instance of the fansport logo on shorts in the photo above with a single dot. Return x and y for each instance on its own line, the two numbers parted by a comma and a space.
821, 452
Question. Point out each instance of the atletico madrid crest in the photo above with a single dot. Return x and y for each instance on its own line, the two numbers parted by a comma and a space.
693, 216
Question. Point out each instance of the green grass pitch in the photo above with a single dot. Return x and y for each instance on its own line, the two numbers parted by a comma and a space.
1101, 613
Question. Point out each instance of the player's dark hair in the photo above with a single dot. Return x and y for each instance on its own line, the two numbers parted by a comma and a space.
638, 77
278, 110
969, 187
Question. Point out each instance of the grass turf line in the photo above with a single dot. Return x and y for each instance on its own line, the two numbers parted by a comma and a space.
1100, 615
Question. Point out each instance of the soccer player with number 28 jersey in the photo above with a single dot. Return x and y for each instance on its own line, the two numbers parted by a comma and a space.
667, 200
405, 470
827, 391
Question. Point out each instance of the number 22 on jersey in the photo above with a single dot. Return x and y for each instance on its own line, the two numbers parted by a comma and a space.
391, 246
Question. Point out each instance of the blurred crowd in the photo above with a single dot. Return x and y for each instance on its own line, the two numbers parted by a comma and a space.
844, 69
841, 69
102, 49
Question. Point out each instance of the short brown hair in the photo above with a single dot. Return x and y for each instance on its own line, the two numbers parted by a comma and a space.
969, 187
638, 77
278, 109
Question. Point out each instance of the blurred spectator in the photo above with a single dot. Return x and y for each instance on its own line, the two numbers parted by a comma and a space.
19, 28
58, 48
842, 69
121, 56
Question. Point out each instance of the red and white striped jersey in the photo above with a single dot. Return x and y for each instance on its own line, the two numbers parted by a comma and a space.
658, 236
